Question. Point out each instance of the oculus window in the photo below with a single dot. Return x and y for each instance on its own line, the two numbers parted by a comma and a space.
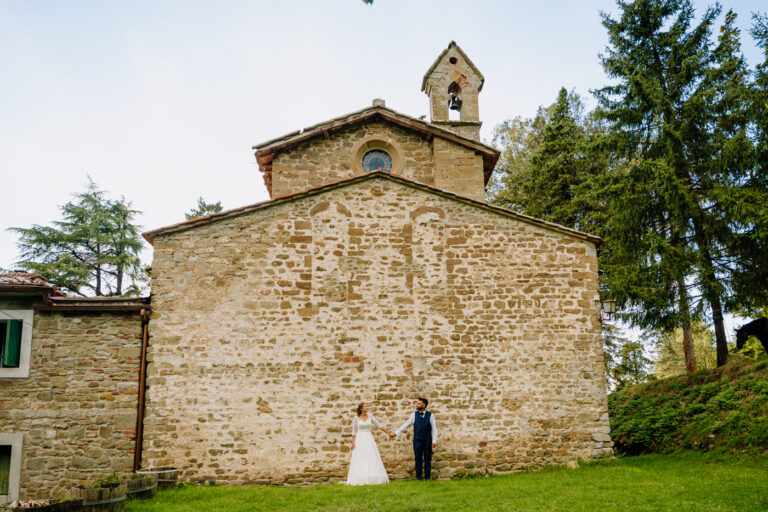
377, 160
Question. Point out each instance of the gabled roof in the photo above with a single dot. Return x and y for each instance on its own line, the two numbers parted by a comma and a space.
28, 282
471, 64
266, 151
229, 214
54, 299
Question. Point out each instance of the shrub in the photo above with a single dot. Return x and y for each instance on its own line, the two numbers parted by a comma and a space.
724, 408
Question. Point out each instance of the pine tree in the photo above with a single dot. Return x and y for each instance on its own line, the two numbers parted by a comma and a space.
202, 209
675, 122
555, 167
93, 250
720, 158
748, 205
544, 160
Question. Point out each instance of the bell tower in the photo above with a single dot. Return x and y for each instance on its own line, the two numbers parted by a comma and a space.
453, 84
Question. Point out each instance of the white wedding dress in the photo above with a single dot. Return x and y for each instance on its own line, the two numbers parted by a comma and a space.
365, 466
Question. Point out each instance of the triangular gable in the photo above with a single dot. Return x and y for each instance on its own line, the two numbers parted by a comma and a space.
469, 62
201, 221
266, 151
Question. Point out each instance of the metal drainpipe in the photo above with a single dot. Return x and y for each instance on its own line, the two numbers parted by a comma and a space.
142, 389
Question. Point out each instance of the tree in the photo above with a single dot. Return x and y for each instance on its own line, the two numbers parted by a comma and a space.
517, 139
93, 250
675, 122
202, 209
670, 358
544, 160
625, 361
556, 167
747, 206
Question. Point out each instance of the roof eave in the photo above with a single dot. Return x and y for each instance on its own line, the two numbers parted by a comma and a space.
452, 44
190, 224
266, 152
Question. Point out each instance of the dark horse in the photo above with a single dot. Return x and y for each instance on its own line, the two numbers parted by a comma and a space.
758, 328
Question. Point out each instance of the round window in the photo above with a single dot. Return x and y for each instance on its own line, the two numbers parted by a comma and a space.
377, 160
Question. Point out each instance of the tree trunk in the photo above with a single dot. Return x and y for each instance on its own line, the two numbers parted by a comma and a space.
119, 277
722, 344
119, 284
685, 314
710, 294
708, 275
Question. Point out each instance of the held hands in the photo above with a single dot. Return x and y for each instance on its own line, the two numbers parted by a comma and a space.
392, 434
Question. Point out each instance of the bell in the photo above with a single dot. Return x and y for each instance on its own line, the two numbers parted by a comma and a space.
455, 103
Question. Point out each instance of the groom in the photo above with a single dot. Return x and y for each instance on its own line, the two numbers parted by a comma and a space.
424, 436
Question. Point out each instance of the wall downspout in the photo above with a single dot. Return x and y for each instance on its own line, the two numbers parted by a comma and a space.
142, 389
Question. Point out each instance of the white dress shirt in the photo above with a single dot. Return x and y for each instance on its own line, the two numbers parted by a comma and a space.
412, 420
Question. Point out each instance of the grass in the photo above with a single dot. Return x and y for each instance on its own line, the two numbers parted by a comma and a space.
679, 482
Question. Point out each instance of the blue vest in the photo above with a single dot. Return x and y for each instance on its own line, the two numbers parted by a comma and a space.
422, 428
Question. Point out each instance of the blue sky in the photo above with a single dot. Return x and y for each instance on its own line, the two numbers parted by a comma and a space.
162, 101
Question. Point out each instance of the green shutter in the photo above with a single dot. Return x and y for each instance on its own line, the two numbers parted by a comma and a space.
12, 344
5, 468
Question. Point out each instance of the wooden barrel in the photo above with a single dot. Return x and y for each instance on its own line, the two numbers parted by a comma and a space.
103, 499
57, 506
166, 477
141, 488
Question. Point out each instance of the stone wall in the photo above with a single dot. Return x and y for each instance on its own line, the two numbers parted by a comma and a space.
270, 327
458, 170
77, 409
320, 161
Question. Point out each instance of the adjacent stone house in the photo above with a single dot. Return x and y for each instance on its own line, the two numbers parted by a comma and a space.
68, 391
376, 272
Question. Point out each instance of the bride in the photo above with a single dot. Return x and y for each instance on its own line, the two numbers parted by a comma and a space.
365, 467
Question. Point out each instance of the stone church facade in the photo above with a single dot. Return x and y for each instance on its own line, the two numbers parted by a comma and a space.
376, 272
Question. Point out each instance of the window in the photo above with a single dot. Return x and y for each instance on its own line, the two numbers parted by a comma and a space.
374, 153
10, 466
5, 469
10, 343
15, 342
377, 160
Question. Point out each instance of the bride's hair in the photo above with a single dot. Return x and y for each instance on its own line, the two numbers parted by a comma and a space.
360, 408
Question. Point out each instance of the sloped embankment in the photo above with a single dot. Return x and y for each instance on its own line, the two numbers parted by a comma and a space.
722, 408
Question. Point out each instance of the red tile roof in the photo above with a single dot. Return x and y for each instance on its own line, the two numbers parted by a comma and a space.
28, 281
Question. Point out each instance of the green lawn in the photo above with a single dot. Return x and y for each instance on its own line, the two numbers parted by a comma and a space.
677, 482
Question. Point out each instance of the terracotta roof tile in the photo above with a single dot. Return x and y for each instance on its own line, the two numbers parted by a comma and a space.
19, 281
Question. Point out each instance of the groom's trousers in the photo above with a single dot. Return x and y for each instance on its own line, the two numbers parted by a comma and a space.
422, 450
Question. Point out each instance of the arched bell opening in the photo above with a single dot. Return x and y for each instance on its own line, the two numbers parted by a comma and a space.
454, 102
